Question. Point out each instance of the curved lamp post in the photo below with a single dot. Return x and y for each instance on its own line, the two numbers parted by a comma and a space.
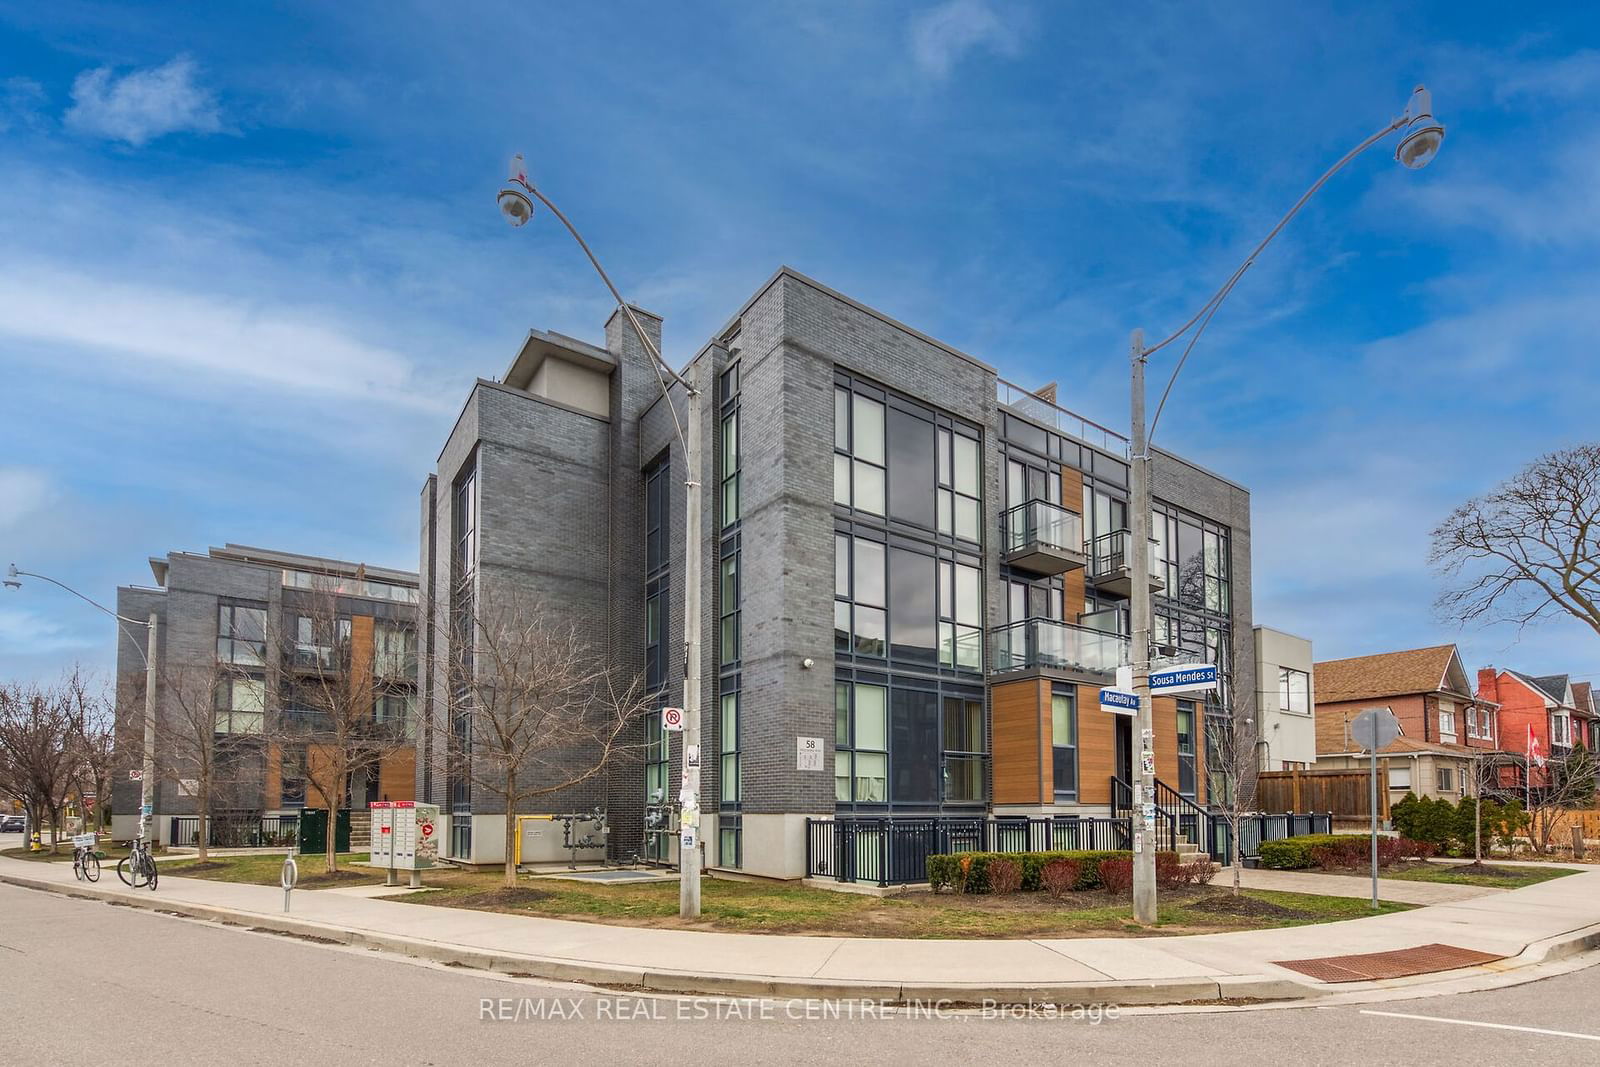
1419, 143
517, 207
148, 776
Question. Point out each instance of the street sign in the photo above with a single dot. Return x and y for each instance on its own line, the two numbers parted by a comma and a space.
135, 776
1118, 702
672, 718
1191, 678
1375, 729
808, 754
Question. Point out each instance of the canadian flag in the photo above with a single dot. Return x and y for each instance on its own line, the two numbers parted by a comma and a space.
1534, 755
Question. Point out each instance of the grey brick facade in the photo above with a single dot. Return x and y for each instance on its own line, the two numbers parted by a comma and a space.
562, 506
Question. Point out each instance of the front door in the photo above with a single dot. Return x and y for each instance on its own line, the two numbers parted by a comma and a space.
1186, 743
1124, 725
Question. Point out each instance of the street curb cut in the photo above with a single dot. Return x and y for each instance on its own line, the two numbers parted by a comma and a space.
1222, 990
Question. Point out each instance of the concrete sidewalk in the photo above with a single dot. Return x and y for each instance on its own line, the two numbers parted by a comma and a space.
1546, 921
1354, 886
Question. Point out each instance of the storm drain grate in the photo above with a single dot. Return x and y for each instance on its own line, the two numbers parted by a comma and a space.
1424, 959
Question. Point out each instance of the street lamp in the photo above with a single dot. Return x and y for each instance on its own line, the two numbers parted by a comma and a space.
148, 775
517, 207
1418, 145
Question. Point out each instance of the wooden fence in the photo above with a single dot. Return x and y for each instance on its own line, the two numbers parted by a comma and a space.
1344, 793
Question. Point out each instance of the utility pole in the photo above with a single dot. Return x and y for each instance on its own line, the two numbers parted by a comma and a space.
1144, 843
689, 842
518, 209
147, 782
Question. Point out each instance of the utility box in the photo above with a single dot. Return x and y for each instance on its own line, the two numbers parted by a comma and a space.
311, 831
405, 835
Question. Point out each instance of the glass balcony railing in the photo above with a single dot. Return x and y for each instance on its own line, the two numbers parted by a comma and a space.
1041, 524
1058, 646
1109, 557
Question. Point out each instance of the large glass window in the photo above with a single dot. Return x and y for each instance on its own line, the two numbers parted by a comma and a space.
729, 590
394, 650
730, 468
1064, 742
960, 615
860, 591
911, 610
1187, 725
915, 743
242, 634
861, 769
859, 461
1294, 690
911, 475
241, 702
656, 511
655, 660
965, 751
960, 477
728, 740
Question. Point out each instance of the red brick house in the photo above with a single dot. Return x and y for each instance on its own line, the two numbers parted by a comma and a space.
1538, 714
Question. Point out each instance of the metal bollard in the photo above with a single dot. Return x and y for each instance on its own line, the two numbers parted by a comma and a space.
290, 875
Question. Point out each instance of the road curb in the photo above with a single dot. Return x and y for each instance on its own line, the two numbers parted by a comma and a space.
1229, 989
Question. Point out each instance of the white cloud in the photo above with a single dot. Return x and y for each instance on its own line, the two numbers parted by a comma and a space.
245, 343
943, 36
144, 104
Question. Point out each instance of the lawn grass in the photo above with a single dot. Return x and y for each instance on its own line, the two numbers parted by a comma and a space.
267, 868
1493, 878
107, 851
760, 907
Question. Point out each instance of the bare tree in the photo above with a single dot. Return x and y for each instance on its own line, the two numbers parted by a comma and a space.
91, 716
212, 716
1530, 548
329, 710
1232, 755
536, 710
34, 733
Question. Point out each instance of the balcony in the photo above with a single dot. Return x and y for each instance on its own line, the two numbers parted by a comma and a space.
1109, 569
1046, 644
1043, 538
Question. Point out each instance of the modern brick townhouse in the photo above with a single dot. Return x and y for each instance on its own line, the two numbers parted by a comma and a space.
909, 563
246, 623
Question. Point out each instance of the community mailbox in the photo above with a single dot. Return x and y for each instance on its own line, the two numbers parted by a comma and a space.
405, 835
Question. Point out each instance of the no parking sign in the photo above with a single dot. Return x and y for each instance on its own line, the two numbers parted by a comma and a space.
672, 718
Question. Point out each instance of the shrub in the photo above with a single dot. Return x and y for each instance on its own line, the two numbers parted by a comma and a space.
1294, 853
1200, 872
1005, 877
1116, 875
947, 870
1060, 877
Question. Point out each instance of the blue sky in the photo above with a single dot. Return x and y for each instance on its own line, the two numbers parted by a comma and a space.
250, 261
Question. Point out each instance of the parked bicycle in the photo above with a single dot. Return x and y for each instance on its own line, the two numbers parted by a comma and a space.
85, 858
138, 868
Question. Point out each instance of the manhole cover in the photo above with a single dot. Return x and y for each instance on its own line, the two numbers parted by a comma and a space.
1424, 959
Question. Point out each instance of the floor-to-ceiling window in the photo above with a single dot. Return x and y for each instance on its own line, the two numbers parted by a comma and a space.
730, 788
908, 604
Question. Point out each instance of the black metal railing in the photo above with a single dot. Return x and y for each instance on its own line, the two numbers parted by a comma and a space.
235, 830
894, 850
1178, 818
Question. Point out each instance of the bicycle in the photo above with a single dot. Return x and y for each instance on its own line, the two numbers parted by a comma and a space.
137, 869
85, 861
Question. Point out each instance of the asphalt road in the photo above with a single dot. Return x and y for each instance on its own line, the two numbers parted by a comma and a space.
83, 981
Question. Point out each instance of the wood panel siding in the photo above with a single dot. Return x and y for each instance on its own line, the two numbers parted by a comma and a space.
361, 650
1072, 581
1165, 714
1021, 756
397, 775
272, 791
1097, 748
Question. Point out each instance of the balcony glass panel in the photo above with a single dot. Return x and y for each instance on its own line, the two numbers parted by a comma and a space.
1058, 646
1039, 522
